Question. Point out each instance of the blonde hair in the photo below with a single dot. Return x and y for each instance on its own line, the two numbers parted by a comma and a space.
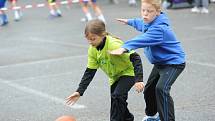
155, 3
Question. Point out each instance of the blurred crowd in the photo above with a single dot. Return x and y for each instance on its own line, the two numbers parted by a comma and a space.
197, 6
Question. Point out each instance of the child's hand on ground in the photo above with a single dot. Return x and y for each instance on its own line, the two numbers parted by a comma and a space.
139, 86
72, 99
124, 21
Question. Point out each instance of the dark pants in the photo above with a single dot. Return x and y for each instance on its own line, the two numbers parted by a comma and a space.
119, 95
2, 3
157, 91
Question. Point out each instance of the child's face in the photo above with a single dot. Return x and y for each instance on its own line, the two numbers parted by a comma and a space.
148, 12
94, 39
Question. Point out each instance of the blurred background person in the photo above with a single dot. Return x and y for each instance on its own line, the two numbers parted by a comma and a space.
54, 9
17, 12
3, 16
85, 7
130, 2
200, 6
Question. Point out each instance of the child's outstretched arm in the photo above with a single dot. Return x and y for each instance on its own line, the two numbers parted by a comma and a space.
124, 21
137, 23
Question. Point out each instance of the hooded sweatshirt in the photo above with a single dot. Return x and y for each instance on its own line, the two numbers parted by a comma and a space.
158, 40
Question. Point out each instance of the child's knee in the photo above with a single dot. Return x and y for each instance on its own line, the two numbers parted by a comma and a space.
161, 89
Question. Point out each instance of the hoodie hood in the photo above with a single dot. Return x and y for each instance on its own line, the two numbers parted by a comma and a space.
159, 20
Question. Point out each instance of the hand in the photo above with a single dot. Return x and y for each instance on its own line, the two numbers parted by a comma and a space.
119, 51
139, 86
124, 21
72, 99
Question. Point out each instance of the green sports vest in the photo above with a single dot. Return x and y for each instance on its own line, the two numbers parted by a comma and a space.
114, 66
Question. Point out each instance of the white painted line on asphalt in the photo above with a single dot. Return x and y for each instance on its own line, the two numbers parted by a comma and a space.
202, 64
200, 38
45, 61
55, 42
207, 27
41, 5
41, 94
45, 76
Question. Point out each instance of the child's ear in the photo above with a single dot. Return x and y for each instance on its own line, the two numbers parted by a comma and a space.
158, 12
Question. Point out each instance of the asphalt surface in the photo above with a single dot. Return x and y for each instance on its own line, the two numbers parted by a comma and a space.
43, 60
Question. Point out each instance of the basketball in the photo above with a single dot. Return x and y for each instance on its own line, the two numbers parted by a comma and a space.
66, 118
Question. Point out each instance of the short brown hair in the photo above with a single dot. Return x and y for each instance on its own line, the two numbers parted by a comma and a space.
95, 26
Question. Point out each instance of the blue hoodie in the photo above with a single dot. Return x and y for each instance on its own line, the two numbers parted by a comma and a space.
158, 40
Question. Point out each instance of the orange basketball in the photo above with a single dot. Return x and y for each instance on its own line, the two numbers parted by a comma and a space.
65, 118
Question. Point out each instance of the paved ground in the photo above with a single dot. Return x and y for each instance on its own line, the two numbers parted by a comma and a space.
42, 61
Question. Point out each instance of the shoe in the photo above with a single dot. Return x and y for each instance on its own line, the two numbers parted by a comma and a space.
195, 10
84, 20
204, 10
152, 118
3, 20
59, 15
166, 4
132, 3
4, 23
17, 16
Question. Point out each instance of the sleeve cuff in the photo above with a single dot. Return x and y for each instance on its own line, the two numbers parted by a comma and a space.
80, 92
